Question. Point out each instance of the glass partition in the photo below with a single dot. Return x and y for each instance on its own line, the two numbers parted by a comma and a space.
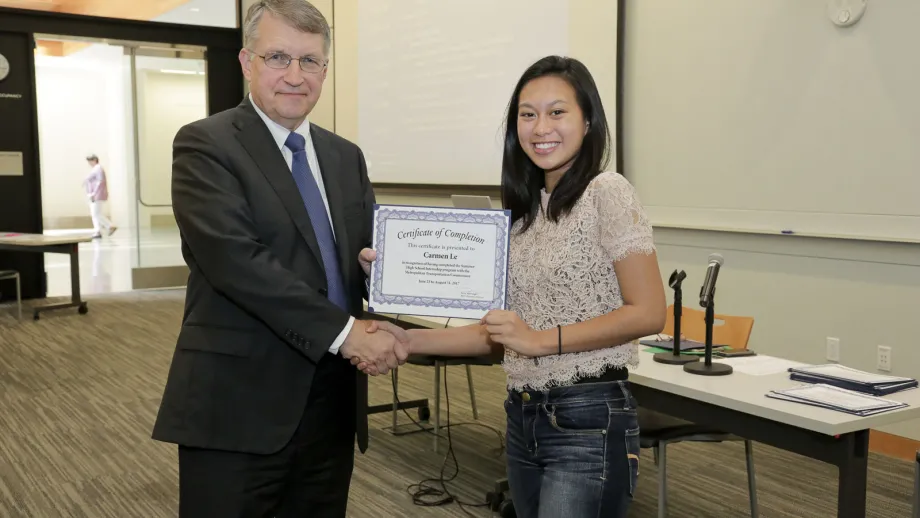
170, 91
123, 103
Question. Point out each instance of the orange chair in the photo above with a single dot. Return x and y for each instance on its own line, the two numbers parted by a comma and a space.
657, 430
726, 329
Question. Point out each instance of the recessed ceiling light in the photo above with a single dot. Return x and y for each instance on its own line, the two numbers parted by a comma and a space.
194, 9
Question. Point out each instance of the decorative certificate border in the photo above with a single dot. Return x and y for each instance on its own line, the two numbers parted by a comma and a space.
500, 219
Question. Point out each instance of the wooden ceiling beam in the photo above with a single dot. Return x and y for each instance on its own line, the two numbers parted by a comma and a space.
49, 48
37, 5
57, 48
124, 9
128, 10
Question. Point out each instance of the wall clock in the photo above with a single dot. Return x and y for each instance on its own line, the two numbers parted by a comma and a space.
4, 67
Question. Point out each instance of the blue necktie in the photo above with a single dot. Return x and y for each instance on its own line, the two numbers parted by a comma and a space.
313, 201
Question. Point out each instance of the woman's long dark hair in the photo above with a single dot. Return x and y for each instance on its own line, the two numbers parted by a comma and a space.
522, 179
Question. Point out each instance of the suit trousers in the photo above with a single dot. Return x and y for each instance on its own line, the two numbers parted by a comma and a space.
310, 477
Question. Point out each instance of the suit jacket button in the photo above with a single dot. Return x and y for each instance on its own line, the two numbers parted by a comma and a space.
323, 292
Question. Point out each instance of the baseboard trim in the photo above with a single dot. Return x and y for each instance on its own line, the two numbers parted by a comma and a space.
67, 223
159, 277
892, 445
163, 221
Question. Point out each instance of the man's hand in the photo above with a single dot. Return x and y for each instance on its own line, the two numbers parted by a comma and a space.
380, 351
403, 346
365, 258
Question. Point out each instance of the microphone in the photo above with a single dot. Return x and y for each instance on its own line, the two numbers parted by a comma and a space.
676, 279
674, 357
707, 297
709, 283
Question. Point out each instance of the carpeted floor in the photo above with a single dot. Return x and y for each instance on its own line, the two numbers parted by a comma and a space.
78, 395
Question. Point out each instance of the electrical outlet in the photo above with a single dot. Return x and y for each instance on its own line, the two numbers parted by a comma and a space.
884, 358
833, 349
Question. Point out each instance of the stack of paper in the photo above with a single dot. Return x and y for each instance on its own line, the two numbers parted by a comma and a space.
852, 379
835, 398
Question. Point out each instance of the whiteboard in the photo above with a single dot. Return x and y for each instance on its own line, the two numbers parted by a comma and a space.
764, 116
434, 80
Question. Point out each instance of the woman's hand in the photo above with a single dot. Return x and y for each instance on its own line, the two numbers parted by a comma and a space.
507, 328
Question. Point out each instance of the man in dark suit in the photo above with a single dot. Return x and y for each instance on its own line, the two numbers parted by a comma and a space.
273, 211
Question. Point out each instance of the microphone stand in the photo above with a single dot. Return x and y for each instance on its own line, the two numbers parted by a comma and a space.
707, 368
675, 357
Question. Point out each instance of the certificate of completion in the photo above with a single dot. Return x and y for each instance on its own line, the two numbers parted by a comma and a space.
439, 262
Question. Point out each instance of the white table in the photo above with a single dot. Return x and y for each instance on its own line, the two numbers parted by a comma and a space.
41, 243
746, 393
738, 404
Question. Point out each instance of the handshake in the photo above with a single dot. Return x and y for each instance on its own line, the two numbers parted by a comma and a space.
376, 347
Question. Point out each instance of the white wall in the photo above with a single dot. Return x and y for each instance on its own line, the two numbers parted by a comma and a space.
775, 118
166, 102
800, 290
80, 111
434, 79
591, 27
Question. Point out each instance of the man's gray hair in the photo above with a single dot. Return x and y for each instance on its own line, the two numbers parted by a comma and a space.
300, 14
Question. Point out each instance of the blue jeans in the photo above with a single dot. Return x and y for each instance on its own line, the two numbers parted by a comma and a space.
573, 451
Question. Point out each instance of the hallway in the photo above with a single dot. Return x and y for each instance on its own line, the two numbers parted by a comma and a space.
105, 264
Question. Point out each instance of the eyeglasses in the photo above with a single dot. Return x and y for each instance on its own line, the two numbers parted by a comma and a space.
282, 61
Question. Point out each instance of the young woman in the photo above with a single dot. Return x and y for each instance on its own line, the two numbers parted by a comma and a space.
583, 285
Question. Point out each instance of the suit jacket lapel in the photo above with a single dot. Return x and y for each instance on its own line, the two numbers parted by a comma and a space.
258, 142
329, 160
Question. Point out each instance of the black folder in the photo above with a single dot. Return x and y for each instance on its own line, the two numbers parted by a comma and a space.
852, 379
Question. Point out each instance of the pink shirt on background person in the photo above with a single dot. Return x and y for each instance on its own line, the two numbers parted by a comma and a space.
95, 184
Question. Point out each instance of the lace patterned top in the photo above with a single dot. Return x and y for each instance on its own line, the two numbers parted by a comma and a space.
562, 273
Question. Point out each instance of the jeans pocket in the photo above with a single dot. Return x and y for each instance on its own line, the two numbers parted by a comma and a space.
580, 417
632, 458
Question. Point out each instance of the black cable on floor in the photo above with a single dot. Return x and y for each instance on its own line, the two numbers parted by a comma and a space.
425, 493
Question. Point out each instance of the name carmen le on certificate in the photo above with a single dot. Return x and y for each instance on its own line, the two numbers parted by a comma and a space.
437, 261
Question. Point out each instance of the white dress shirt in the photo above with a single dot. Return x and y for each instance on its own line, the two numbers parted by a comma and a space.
280, 133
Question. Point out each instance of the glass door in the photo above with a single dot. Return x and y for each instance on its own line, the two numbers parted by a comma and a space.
120, 103
169, 90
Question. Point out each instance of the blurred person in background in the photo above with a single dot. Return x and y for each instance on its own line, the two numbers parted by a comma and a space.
97, 192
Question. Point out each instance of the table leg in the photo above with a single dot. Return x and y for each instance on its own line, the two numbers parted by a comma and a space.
853, 468
75, 276
437, 403
75, 299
